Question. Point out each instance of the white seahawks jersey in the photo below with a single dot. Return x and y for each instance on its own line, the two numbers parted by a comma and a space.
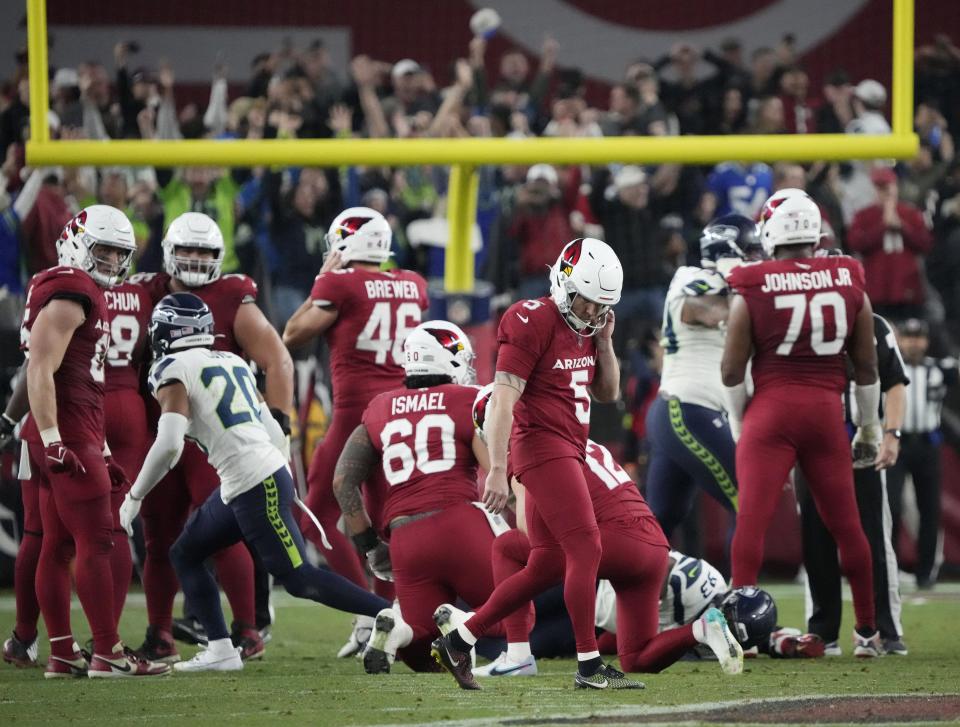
224, 415
691, 354
691, 586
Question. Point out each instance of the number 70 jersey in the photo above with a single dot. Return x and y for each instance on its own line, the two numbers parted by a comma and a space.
224, 415
802, 313
375, 312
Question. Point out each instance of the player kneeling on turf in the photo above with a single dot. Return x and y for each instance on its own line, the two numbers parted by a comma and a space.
211, 397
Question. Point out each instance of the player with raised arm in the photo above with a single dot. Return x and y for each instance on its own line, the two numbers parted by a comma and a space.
364, 314
554, 353
635, 560
797, 316
193, 253
420, 441
690, 441
65, 336
211, 397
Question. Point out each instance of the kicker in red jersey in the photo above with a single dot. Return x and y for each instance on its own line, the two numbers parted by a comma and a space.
802, 312
376, 311
425, 440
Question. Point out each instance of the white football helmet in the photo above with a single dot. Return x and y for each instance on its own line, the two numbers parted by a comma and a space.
360, 234
439, 348
795, 221
198, 231
588, 268
480, 405
97, 224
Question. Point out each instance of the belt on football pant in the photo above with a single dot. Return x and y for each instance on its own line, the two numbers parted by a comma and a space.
399, 522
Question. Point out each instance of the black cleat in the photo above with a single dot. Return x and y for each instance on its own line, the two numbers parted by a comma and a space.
606, 677
456, 662
189, 631
21, 654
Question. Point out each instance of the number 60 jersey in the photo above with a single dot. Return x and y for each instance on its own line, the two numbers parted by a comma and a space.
224, 415
802, 312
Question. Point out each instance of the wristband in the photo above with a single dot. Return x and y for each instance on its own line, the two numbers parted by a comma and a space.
367, 540
49, 436
895, 432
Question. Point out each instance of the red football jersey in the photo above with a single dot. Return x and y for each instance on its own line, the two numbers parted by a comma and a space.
425, 438
615, 496
79, 380
552, 417
802, 312
128, 310
224, 297
376, 311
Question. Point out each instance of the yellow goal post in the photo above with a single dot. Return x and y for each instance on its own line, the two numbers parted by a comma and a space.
464, 155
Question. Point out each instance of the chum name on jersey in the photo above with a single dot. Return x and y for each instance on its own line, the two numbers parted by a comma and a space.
409, 403
813, 280
404, 289
122, 301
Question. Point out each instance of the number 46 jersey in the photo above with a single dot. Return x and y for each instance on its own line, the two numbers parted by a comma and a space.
376, 310
802, 312
224, 415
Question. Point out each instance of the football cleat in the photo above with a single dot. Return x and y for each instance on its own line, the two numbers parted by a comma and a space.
61, 668
207, 660
789, 643
503, 667
248, 641
867, 647
21, 654
894, 647
390, 633
711, 629
189, 631
158, 646
362, 628
832, 648
458, 663
606, 677
125, 663
448, 617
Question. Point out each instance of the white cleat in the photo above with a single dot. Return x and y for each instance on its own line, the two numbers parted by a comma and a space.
207, 660
362, 628
711, 629
390, 632
867, 647
448, 617
503, 667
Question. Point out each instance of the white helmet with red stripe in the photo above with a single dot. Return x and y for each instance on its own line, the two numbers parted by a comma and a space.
98, 225
439, 348
789, 217
588, 268
360, 234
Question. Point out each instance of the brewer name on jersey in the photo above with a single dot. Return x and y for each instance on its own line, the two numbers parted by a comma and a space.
402, 289
568, 364
122, 301
813, 280
409, 403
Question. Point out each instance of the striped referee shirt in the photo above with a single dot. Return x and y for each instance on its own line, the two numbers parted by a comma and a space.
890, 367
927, 390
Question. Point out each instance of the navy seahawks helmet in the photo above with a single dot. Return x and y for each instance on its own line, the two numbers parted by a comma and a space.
729, 240
751, 614
179, 321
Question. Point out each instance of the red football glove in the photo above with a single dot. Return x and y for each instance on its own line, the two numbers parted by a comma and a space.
118, 478
61, 459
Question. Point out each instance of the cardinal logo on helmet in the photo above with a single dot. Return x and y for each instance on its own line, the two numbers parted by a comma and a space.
570, 257
350, 225
447, 339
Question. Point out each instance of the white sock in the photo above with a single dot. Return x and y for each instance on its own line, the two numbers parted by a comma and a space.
518, 652
699, 630
588, 655
221, 647
466, 635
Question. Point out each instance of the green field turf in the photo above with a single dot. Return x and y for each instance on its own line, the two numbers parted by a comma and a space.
299, 681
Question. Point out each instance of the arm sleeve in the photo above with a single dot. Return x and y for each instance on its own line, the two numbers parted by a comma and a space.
163, 455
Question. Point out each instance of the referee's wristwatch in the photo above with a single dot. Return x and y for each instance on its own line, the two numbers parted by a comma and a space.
895, 432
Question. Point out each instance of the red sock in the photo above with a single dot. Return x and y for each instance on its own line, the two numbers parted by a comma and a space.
234, 568
607, 643
25, 586
160, 584
121, 565
509, 555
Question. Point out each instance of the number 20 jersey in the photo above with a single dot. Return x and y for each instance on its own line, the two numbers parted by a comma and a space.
552, 417
802, 312
224, 415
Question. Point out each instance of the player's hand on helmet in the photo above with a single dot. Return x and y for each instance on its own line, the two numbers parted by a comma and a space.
129, 511
496, 491
118, 478
62, 460
606, 333
888, 454
866, 446
333, 261
7, 425
378, 558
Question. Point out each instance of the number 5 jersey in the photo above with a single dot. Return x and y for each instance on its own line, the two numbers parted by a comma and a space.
224, 415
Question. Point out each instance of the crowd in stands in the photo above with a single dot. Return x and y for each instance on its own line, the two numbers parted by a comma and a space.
902, 220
